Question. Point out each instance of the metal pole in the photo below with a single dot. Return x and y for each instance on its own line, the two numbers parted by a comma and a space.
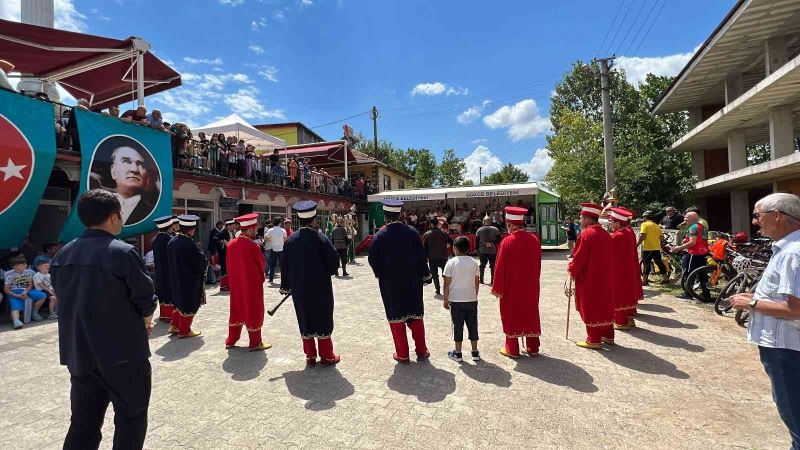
480, 175
140, 80
608, 137
346, 173
375, 130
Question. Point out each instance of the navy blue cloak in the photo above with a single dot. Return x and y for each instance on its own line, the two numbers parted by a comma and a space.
187, 270
308, 262
161, 281
398, 260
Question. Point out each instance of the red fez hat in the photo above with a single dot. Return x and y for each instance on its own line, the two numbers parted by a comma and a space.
591, 210
515, 215
247, 221
619, 214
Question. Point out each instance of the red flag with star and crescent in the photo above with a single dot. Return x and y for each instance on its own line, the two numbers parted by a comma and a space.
27, 154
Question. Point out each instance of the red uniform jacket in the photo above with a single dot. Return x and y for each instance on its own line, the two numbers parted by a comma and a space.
591, 268
636, 269
516, 283
246, 276
625, 270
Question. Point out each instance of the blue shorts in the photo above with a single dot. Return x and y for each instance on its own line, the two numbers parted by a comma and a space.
18, 304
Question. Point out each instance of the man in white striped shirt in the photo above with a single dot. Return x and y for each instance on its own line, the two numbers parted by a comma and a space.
775, 306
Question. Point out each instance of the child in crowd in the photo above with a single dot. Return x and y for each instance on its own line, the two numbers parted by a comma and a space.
41, 282
461, 282
19, 287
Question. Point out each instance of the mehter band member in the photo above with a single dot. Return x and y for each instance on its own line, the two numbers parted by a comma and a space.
591, 270
309, 261
187, 270
246, 278
516, 284
398, 261
625, 268
167, 227
105, 312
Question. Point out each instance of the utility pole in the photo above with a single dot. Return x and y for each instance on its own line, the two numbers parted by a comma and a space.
608, 131
480, 175
375, 130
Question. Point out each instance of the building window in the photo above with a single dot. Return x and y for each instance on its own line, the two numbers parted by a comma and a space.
387, 183
401, 184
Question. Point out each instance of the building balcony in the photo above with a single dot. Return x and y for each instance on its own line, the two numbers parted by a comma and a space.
769, 172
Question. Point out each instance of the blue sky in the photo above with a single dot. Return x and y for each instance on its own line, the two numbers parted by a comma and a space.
475, 76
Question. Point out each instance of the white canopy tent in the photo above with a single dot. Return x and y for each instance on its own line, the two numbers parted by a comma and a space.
234, 125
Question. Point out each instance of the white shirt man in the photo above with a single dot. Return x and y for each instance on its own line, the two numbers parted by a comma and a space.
276, 237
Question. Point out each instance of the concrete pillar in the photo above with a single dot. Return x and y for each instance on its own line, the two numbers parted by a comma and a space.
775, 54
737, 151
781, 132
695, 116
699, 165
740, 212
733, 87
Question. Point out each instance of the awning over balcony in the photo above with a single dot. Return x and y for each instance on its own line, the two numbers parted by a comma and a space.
322, 154
102, 70
234, 125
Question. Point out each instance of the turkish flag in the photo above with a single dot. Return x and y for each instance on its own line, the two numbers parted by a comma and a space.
16, 163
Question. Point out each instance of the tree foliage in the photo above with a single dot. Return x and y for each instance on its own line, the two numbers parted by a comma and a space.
451, 169
648, 174
508, 174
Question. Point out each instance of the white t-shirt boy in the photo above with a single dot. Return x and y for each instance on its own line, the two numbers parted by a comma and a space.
276, 235
462, 271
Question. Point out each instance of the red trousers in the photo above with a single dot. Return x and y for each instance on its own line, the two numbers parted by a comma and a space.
531, 345
595, 335
165, 312
401, 341
235, 331
623, 317
325, 348
182, 323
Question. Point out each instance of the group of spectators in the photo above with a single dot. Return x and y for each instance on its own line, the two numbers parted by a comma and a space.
464, 218
28, 286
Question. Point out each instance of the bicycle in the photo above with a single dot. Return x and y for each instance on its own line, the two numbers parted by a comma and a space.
749, 273
718, 272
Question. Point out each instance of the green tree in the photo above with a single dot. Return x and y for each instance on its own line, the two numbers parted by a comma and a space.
648, 173
451, 169
468, 183
423, 167
508, 174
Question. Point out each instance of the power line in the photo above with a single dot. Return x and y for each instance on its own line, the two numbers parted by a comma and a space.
611, 42
453, 110
647, 33
608, 31
639, 31
630, 28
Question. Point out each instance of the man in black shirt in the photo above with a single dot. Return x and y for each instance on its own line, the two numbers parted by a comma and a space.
435, 242
105, 313
672, 219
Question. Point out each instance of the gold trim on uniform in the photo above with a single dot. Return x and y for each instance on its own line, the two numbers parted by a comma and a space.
405, 318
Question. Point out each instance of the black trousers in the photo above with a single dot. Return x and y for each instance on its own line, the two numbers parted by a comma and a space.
342, 259
653, 256
692, 262
127, 387
461, 313
484, 258
434, 264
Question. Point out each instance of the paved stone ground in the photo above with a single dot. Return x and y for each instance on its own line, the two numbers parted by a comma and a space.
684, 379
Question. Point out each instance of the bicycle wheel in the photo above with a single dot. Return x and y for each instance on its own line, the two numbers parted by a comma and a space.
742, 316
735, 286
694, 288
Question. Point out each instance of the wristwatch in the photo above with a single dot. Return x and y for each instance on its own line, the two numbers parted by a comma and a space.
753, 304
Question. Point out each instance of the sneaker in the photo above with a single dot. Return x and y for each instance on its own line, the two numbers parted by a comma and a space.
36, 317
53, 316
476, 355
17, 324
455, 356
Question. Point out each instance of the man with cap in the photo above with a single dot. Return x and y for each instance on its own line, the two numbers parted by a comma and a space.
246, 278
590, 268
398, 261
625, 271
187, 270
225, 237
309, 261
167, 226
516, 284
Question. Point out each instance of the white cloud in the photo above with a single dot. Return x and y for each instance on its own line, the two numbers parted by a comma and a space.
471, 114
637, 67
269, 73
538, 166
231, 2
278, 14
306, 2
481, 162
191, 102
212, 81
522, 120
438, 88
212, 62
257, 49
478, 141
256, 25
66, 16
245, 103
